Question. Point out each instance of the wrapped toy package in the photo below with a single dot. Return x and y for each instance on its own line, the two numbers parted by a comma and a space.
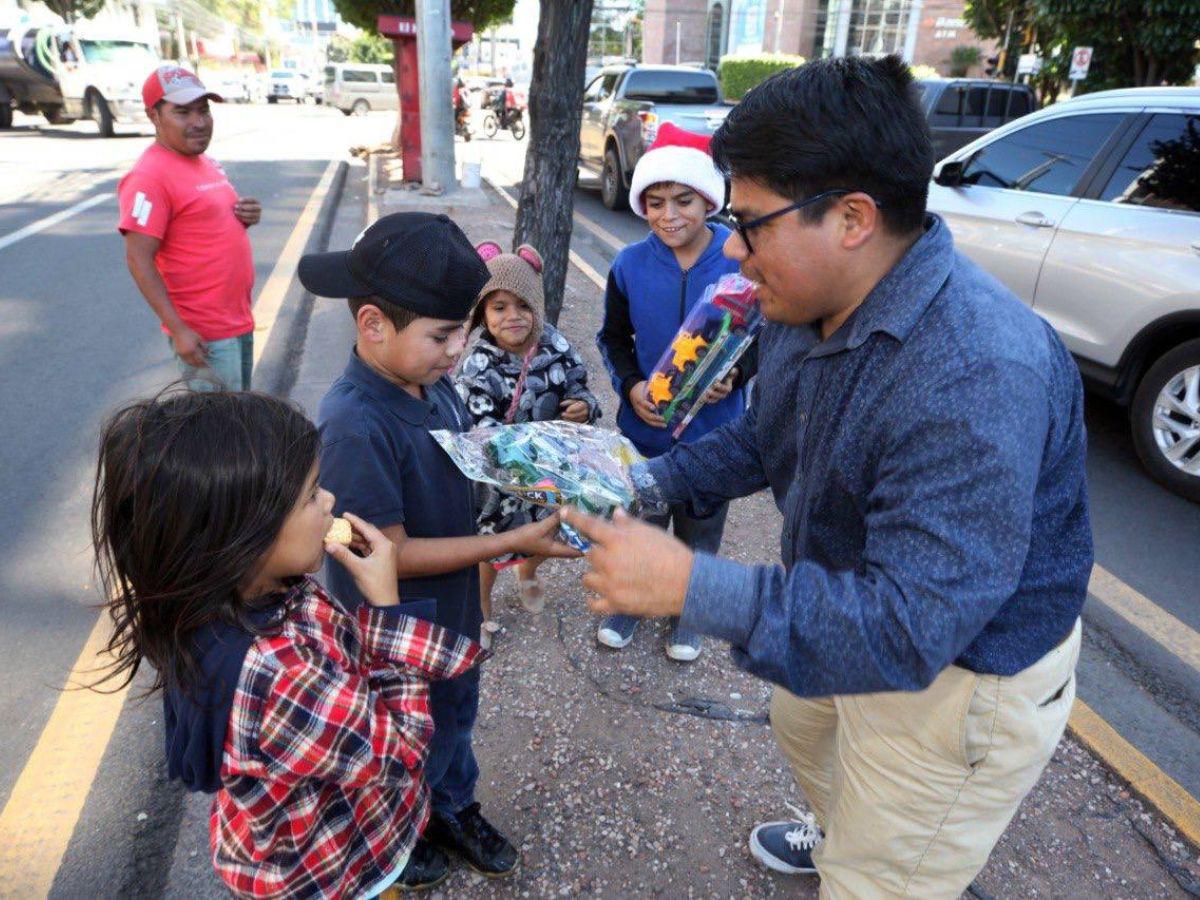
711, 340
551, 464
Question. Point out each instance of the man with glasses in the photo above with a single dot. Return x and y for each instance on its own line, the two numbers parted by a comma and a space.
922, 434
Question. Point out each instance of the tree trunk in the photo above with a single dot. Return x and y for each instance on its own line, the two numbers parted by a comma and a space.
551, 163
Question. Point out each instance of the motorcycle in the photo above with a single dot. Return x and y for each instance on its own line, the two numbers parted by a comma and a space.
511, 118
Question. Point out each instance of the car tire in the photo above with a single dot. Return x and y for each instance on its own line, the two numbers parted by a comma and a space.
360, 107
613, 192
1165, 400
6, 114
98, 107
345, 112
272, 99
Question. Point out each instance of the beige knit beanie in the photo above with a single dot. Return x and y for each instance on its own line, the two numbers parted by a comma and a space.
519, 273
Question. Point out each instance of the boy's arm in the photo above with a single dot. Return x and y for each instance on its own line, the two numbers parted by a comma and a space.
419, 557
616, 341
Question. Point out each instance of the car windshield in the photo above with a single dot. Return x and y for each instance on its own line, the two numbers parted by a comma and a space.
117, 52
283, 75
672, 87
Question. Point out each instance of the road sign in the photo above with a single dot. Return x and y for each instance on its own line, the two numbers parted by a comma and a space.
1029, 64
1081, 61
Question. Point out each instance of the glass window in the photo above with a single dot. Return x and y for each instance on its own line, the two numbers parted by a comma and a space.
672, 86
1047, 158
976, 100
1162, 168
129, 53
1021, 105
608, 84
388, 77
358, 75
948, 108
998, 98
591, 93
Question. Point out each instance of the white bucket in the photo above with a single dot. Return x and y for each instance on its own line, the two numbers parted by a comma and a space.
471, 176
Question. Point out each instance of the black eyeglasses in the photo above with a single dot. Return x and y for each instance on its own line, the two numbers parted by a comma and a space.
743, 228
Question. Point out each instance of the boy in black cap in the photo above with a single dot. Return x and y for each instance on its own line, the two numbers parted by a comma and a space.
411, 280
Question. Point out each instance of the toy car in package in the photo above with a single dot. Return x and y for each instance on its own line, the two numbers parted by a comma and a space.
715, 334
550, 464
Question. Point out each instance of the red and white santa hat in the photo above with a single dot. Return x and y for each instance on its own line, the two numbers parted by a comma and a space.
679, 157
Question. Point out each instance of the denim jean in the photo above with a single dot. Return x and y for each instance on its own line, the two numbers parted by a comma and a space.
230, 363
451, 769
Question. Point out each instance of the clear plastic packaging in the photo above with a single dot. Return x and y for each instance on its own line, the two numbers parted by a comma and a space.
708, 344
551, 464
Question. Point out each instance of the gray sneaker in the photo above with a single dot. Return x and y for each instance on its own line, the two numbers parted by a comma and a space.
682, 645
617, 631
787, 846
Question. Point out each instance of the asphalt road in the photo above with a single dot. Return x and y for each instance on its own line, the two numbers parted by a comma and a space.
76, 340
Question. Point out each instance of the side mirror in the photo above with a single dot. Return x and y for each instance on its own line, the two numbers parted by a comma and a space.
949, 174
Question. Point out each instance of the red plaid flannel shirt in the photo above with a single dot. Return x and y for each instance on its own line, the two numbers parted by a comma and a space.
323, 791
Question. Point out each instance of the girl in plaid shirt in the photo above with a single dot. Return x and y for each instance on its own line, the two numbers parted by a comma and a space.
309, 723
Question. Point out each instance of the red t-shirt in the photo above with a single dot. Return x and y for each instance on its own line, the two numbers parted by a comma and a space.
205, 258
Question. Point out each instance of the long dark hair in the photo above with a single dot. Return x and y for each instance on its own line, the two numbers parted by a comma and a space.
191, 491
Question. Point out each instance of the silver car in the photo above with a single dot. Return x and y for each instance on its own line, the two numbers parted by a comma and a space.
1089, 210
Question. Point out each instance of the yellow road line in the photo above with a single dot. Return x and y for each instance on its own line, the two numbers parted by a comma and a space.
40, 816
41, 813
1165, 794
580, 263
1144, 615
270, 298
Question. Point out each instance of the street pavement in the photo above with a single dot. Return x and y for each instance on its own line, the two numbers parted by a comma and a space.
76, 340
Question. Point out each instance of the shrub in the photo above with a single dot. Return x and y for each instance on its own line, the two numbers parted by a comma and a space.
738, 74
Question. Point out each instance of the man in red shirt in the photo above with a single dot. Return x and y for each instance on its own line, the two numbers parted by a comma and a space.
185, 236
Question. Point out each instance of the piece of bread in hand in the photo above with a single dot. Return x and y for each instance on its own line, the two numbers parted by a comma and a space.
340, 532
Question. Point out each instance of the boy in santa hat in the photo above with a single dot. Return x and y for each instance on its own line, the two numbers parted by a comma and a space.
652, 285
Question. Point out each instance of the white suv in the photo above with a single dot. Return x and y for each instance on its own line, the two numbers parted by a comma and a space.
1089, 210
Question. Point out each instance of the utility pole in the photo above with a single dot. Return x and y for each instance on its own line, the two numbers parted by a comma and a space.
676, 42
437, 126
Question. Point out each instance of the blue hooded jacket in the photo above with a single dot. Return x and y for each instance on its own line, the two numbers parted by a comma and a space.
647, 298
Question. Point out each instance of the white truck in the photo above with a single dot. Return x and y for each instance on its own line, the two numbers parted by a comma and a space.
67, 72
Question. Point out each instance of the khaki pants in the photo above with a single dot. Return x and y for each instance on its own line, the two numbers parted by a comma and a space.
913, 790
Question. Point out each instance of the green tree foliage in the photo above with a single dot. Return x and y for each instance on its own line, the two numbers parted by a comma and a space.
961, 60
738, 74
73, 10
1135, 42
480, 13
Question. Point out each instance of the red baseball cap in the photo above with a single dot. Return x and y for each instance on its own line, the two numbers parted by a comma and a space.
175, 84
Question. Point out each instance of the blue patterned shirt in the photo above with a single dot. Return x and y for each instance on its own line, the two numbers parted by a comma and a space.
928, 460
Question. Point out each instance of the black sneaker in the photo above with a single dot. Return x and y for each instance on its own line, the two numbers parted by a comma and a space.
473, 838
787, 846
426, 867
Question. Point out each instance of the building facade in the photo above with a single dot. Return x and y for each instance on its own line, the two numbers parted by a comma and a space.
924, 32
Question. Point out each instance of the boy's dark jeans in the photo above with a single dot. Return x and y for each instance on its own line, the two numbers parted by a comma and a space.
699, 534
451, 770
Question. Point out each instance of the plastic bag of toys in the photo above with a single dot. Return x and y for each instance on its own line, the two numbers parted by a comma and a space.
551, 464
711, 340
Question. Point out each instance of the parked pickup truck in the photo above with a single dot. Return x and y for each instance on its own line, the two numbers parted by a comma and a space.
623, 107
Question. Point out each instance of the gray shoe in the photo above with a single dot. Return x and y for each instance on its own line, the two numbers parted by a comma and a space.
682, 645
617, 631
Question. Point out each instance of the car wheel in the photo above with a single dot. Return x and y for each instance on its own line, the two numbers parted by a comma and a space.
361, 107
613, 192
1165, 420
345, 112
102, 114
272, 99
6, 114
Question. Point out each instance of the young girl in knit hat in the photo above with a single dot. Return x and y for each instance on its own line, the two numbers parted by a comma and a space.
517, 368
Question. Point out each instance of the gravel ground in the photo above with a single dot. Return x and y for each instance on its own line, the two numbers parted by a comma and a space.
608, 793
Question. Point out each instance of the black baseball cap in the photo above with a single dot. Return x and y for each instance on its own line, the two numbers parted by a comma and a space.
419, 261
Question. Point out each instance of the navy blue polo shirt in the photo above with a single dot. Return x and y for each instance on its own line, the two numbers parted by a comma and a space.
379, 461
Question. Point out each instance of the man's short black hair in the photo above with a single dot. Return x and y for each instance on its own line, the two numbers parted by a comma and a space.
849, 122
400, 317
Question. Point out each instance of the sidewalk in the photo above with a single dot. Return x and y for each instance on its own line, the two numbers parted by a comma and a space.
607, 793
